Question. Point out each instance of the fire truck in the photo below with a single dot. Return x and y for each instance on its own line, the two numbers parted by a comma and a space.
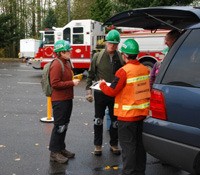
151, 44
87, 37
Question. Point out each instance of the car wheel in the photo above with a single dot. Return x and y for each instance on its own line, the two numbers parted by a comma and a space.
149, 64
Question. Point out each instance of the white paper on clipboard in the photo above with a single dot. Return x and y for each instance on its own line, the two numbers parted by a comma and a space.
96, 85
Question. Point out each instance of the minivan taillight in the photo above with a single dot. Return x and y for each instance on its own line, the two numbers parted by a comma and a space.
157, 105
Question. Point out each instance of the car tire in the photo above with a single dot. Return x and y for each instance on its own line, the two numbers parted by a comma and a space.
149, 64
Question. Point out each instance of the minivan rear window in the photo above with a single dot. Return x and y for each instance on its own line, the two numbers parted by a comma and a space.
184, 69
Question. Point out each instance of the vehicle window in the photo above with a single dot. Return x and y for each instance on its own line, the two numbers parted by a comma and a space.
184, 70
66, 34
78, 35
78, 30
78, 39
49, 38
100, 42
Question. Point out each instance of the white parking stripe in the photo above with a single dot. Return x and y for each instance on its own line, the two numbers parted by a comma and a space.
28, 83
7, 75
25, 70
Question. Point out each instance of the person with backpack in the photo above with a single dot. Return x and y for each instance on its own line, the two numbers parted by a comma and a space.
62, 95
103, 66
131, 89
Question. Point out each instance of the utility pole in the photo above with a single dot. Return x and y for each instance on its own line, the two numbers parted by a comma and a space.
68, 10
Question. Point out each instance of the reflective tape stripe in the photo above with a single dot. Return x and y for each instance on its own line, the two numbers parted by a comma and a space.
130, 107
116, 105
136, 79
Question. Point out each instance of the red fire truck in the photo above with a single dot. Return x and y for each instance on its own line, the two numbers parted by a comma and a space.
151, 44
87, 37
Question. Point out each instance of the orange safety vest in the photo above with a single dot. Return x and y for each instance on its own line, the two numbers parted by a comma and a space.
133, 100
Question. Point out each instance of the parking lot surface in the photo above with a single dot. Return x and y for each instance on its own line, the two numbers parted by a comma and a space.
24, 138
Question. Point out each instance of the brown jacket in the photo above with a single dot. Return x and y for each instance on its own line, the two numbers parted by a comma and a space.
61, 82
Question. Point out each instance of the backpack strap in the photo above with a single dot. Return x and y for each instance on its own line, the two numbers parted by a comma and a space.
62, 65
100, 54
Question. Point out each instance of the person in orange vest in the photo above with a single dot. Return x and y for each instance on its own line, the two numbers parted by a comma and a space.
131, 89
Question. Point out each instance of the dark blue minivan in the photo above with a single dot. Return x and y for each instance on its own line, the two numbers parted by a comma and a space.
172, 131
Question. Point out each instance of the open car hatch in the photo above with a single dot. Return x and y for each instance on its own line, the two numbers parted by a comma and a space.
152, 18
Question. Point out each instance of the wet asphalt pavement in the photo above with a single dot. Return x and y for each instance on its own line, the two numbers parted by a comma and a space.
24, 138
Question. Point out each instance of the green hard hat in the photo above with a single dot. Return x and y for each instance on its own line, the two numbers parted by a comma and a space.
62, 45
113, 36
130, 47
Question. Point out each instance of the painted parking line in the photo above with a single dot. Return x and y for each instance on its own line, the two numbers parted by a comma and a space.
27, 83
22, 70
27, 70
5, 75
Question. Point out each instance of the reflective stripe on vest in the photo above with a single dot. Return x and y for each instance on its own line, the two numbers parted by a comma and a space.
116, 105
136, 79
131, 107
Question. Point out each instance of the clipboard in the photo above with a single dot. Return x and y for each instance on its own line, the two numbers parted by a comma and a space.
96, 85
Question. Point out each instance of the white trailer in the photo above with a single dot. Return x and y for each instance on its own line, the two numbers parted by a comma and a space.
29, 47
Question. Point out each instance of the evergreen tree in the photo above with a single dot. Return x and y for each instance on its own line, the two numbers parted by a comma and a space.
24, 17
101, 10
50, 20
81, 9
8, 34
151, 3
61, 12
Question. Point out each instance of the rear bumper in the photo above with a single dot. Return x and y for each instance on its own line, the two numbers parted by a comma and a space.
178, 154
